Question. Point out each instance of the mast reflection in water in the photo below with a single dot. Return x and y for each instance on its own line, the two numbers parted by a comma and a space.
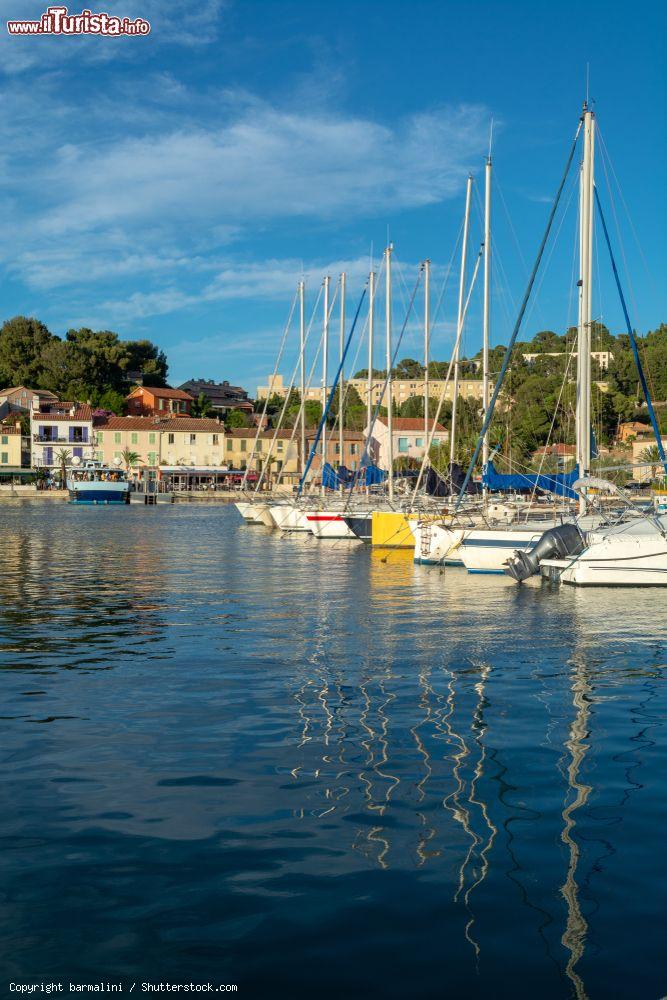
295, 766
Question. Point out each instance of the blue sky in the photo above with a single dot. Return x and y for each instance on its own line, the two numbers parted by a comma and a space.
176, 186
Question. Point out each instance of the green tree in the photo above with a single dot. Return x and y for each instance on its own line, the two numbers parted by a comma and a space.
22, 341
651, 456
202, 407
236, 418
65, 370
62, 457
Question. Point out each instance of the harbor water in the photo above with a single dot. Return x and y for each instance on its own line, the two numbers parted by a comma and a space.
234, 757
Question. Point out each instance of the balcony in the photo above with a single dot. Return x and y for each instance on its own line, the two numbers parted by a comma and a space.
44, 439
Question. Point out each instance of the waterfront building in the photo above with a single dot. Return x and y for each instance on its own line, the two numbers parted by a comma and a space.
11, 446
57, 427
150, 401
409, 440
170, 441
240, 442
221, 395
353, 449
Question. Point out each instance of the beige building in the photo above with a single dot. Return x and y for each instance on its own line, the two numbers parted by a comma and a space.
402, 389
242, 442
276, 387
10, 446
603, 358
409, 439
188, 441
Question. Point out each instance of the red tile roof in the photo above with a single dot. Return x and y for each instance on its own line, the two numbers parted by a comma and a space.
160, 393
410, 424
82, 411
167, 423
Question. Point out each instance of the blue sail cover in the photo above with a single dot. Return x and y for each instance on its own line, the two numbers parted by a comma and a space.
559, 483
333, 479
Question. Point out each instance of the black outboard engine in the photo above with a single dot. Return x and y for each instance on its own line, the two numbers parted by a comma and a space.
556, 543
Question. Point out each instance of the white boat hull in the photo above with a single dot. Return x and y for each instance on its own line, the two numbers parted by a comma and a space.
615, 560
328, 524
436, 543
287, 517
255, 513
484, 550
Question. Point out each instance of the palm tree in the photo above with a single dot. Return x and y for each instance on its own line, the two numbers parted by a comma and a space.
651, 456
62, 457
202, 406
130, 458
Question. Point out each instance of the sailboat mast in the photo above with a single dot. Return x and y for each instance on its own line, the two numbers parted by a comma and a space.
427, 339
389, 396
302, 373
487, 297
587, 182
459, 323
325, 355
341, 382
371, 318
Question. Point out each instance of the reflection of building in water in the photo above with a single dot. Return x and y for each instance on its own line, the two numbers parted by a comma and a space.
576, 928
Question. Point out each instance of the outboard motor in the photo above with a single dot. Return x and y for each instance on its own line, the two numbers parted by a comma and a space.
556, 543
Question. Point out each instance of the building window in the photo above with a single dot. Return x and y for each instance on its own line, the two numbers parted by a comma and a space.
151, 458
170, 438
419, 442
99, 457
134, 438
337, 449
280, 445
403, 444
230, 444
193, 439
215, 439
117, 454
100, 437
259, 446
151, 438
116, 437
353, 449
5, 458
5, 439
243, 444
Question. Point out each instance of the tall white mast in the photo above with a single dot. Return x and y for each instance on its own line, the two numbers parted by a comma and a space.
325, 355
389, 395
341, 381
302, 380
585, 300
459, 322
371, 318
427, 338
487, 297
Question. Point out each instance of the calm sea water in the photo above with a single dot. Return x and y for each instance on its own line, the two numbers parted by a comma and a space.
233, 757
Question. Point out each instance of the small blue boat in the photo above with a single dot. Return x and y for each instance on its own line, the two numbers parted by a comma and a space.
94, 483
